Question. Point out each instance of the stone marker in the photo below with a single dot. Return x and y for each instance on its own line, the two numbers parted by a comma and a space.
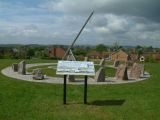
102, 62
86, 59
135, 71
116, 63
142, 69
71, 57
15, 67
38, 74
121, 73
100, 75
71, 78
129, 61
22, 67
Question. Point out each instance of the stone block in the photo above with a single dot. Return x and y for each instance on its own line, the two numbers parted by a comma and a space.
15, 67
137, 70
100, 75
22, 68
121, 73
116, 63
102, 62
71, 78
38, 74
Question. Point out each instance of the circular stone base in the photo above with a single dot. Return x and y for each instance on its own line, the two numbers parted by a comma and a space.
59, 80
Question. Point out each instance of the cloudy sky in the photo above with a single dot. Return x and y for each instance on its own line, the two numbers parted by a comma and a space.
128, 22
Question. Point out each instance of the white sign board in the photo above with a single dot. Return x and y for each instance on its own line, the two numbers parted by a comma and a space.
75, 68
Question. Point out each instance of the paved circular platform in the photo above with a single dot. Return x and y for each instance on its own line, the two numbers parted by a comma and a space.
59, 80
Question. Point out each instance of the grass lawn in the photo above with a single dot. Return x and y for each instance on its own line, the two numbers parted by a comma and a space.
109, 72
22, 100
47, 71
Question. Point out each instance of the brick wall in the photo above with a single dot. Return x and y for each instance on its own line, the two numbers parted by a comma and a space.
57, 52
121, 55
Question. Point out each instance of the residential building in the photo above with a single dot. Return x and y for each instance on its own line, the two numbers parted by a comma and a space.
121, 55
57, 52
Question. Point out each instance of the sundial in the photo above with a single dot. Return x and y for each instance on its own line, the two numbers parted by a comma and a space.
72, 67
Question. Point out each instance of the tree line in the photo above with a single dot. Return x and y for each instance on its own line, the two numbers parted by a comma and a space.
38, 51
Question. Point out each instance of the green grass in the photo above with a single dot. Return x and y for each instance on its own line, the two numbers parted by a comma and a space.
47, 71
109, 72
22, 100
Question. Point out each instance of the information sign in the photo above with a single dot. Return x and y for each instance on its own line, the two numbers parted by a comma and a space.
75, 68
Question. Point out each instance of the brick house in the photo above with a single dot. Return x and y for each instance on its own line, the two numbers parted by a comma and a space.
98, 55
157, 57
121, 55
57, 52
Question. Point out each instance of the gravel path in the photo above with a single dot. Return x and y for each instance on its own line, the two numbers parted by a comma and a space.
57, 80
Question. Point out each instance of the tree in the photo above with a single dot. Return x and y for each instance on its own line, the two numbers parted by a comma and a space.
149, 49
138, 47
101, 48
79, 51
139, 50
116, 46
38, 54
30, 53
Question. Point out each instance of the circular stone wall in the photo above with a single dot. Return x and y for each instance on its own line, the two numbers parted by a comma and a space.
59, 80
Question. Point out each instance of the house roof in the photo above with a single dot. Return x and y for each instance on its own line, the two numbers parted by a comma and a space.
95, 53
119, 51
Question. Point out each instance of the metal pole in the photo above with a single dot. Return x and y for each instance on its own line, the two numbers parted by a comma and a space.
77, 35
85, 90
64, 90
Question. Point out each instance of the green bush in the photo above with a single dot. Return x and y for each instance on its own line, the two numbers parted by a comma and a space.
150, 58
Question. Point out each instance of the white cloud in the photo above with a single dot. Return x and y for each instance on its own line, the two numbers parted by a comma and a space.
59, 22
148, 9
116, 23
102, 30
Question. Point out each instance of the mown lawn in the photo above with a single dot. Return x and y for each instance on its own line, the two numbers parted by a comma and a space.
109, 72
22, 100
46, 71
